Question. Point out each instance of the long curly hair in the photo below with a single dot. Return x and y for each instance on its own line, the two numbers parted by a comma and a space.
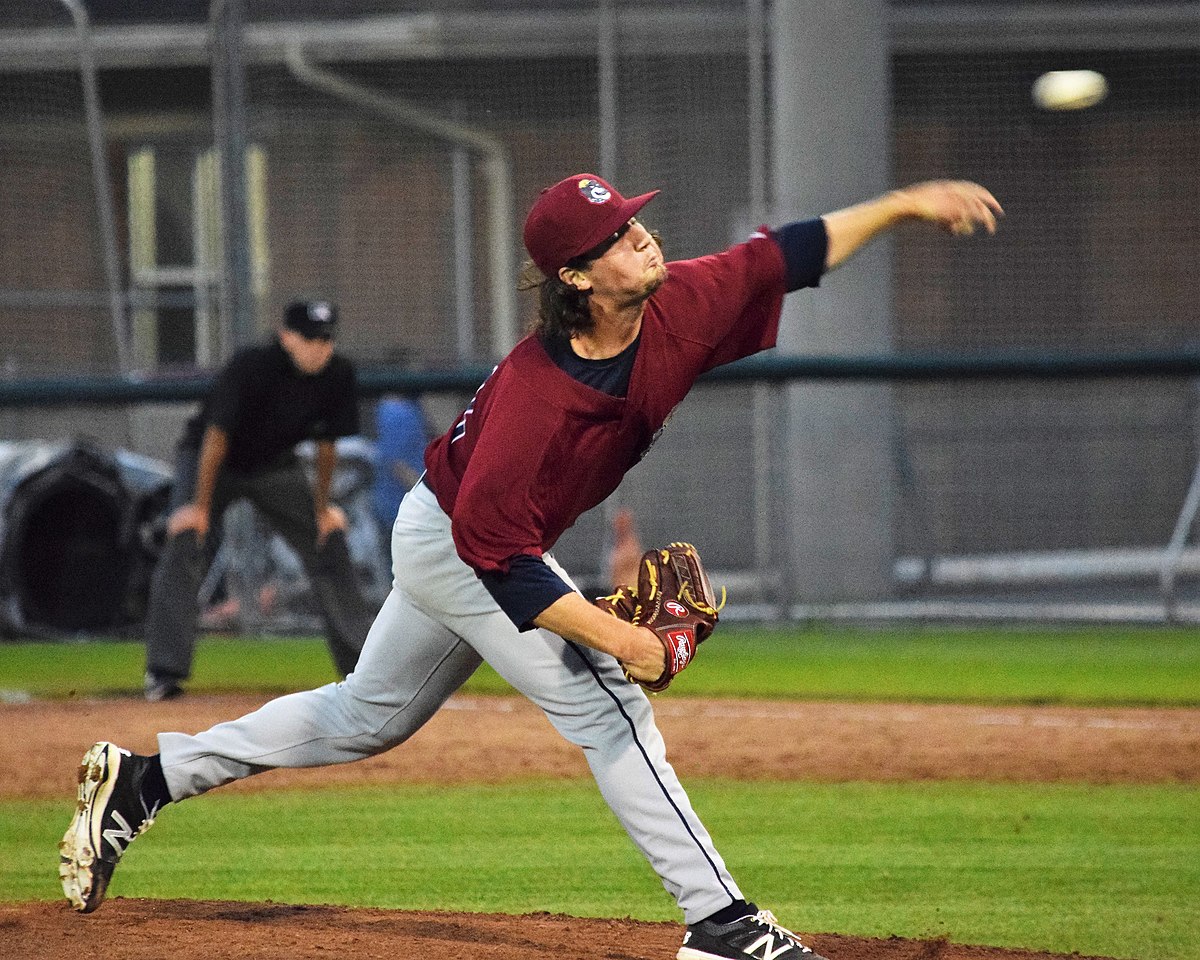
563, 309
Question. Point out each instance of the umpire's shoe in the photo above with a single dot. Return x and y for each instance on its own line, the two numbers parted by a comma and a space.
756, 935
110, 813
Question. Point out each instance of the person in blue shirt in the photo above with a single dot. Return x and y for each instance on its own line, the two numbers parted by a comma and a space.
402, 433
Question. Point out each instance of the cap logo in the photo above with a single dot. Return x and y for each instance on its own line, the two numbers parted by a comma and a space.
320, 312
593, 191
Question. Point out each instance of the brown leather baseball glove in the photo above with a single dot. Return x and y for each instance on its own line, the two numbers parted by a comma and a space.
674, 599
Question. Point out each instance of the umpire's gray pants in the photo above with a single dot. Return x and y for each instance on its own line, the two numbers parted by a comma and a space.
434, 628
283, 496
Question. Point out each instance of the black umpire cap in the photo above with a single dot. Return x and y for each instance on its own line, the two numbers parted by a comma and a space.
312, 319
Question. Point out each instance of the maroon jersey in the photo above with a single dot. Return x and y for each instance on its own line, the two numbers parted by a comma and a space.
536, 448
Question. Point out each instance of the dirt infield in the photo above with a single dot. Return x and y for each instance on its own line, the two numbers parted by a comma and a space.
171, 929
494, 740
501, 739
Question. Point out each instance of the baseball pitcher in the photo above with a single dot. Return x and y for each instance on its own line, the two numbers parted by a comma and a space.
620, 338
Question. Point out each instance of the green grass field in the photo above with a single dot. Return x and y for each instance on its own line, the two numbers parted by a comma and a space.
1110, 871
1103, 871
1110, 666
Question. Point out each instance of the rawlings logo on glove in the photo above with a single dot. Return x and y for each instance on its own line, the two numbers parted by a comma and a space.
674, 599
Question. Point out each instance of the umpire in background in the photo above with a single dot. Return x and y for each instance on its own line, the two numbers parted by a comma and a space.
267, 399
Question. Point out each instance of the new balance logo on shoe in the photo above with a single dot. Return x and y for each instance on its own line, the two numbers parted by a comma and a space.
767, 943
120, 836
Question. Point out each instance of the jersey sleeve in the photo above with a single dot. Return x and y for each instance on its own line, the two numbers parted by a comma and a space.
528, 588
805, 245
728, 302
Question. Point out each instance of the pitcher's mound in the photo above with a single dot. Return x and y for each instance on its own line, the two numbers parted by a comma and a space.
207, 930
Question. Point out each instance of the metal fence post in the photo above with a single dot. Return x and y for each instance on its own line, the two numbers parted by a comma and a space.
227, 20
766, 399
495, 167
103, 187
606, 57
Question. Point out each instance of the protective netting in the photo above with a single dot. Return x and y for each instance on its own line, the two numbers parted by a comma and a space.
51, 258
367, 203
361, 195
1092, 258
364, 192
1102, 204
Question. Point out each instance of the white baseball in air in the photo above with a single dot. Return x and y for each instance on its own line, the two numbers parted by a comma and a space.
1069, 89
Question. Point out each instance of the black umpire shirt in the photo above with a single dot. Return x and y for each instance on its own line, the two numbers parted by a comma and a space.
267, 406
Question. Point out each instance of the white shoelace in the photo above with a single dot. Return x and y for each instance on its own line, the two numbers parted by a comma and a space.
765, 918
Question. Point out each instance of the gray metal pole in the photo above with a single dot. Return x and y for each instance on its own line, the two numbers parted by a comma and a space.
1173, 553
766, 398
606, 56
103, 188
229, 132
496, 169
464, 296
756, 60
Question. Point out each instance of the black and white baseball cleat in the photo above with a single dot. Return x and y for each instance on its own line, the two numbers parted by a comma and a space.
109, 815
757, 936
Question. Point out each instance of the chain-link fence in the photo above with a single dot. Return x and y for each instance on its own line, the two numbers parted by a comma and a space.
389, 160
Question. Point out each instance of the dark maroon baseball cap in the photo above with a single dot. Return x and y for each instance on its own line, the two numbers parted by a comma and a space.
573, 216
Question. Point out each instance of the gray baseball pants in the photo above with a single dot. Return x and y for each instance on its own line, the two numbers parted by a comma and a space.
282, 494
435, 627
